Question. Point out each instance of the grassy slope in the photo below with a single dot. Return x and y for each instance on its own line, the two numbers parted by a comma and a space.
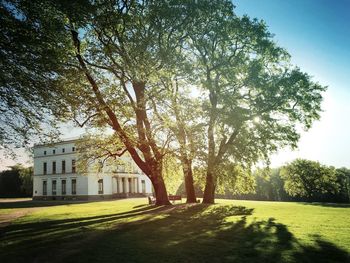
130, 231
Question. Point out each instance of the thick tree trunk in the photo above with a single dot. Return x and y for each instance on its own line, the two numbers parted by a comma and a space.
189, 186
160, 190
209, 191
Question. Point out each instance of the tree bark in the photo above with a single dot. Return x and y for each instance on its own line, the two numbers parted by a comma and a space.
189, 186
159, 187
209, 191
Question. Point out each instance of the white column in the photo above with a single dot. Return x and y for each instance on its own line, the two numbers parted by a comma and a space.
126, 181
122, 184
116, 180
136, 185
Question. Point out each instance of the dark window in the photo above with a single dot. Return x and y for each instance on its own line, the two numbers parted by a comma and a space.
45, 168
63, 187
53, 167
73, 166
44, 152
73, 149
54, 187
44, 188
63, 150
100, 186
63, 166
53, 151
74, 186
143, 185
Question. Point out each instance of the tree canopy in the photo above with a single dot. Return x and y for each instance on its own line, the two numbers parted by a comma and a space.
136, 66
307, 178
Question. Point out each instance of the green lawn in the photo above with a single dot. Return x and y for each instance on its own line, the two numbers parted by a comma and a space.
131, 231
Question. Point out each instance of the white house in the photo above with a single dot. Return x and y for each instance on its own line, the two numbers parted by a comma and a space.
56, 176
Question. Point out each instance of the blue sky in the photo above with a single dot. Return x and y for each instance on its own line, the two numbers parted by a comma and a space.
317, 35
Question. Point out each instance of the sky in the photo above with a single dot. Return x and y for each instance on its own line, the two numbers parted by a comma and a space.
317, 35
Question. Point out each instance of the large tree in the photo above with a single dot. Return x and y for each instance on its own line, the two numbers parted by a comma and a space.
256, 100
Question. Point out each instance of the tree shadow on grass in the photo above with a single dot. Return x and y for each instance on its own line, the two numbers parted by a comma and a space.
182, 233
336, 205
36, 204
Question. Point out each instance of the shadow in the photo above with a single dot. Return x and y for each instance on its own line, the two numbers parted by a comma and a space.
180, 233
35, 203
338, 205
137, 206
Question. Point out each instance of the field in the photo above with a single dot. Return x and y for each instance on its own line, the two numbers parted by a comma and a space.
132, 231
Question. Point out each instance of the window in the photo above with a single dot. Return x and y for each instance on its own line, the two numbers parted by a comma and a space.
73, 149
63, 166
44, 187
44, 152
100, 186
45, 168
63, 150
54, 187
74, 186
54, 167
100, 166
54, 151
143, 185
63, 187
73, 166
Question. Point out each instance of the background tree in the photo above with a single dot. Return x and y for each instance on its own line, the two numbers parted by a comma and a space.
16, 182
343, 178
26, 176
310, 179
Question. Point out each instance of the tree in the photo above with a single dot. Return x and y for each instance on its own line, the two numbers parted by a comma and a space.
26, 176
16, 182
29, 59
131, 43
310, 179
343, 176
255, 98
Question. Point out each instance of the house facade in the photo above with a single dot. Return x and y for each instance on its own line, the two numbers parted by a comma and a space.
56, 176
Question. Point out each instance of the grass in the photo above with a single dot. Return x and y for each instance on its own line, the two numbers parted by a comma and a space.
131, 231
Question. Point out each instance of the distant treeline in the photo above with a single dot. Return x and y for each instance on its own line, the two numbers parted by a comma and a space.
16, 182
301, 180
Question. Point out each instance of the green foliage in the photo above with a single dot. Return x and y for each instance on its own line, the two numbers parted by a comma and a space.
269, 185
16, 182
343, 178
172, 173
234, 180
308, 179
26, 175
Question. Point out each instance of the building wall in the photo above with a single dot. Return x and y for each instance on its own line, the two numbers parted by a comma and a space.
87, 184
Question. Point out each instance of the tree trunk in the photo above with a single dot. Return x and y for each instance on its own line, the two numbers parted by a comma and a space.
160, 191
209, 191
190, 193
159, 185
